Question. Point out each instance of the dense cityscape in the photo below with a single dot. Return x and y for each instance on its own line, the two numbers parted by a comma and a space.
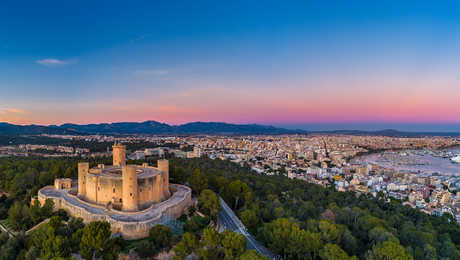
320, 159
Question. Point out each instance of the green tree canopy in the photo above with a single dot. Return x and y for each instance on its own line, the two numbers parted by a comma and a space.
388, 250
186, 246
333, 252
249, 219
161, 237
251, 255
233, 244
210, 245
209, 203
95, 241
239, 190
197, 181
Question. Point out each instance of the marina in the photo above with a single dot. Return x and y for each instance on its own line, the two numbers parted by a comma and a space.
443, 162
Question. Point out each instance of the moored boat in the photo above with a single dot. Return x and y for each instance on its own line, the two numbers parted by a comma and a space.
455, 159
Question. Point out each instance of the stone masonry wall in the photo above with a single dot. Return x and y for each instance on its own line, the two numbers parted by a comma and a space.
173, 207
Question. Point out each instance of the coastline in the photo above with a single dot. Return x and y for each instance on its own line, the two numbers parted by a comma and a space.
375, 151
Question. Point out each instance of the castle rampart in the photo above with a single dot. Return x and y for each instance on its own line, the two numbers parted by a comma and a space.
132, 198
131, 225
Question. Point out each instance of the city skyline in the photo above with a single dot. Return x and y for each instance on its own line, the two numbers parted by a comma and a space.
300, 65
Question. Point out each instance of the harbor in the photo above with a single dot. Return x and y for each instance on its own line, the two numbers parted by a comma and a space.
442, 162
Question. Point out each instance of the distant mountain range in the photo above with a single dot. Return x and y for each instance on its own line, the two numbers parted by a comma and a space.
10, 129
195, 128
147, 127
154, 127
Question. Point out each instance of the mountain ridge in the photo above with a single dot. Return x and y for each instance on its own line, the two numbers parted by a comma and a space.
154, 127
146, 127
12, 129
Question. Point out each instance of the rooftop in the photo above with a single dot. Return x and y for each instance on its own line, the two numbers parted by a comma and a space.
116, 171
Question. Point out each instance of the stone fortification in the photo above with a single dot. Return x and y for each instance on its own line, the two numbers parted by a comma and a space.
131, 225
132, 198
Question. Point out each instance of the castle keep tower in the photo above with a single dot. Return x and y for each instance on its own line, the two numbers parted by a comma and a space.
130, 196
119, 154
83, 169
121, 186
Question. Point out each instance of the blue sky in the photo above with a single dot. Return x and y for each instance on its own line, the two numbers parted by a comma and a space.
284, 63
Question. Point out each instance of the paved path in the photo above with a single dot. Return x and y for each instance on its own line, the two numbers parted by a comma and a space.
7, 230
228, 220
38, 225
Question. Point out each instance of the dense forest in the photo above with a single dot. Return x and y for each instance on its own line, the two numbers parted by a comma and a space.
299, 220
293, 218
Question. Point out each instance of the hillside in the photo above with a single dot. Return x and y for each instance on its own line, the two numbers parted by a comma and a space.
10, 129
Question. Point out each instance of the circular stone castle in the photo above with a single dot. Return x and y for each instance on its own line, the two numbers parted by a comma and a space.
132, 198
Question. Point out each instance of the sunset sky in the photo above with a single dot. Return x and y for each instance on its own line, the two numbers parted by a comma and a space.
305, 64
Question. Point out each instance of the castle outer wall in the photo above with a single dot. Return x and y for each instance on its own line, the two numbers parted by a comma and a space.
131, 225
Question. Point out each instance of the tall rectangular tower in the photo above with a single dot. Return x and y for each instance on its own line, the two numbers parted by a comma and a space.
83, 169
163, 166
119, 154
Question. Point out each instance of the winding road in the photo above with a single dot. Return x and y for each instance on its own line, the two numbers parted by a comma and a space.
229, 221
